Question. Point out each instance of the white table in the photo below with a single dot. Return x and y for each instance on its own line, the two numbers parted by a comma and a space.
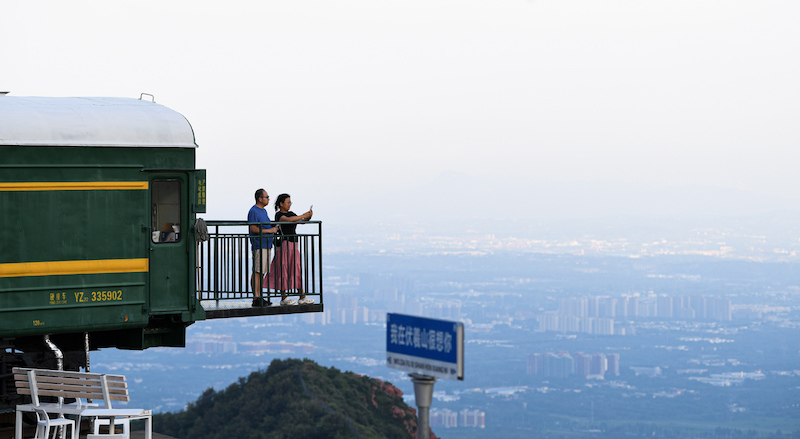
88, 411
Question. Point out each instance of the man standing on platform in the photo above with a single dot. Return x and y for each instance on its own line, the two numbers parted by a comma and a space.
261, 242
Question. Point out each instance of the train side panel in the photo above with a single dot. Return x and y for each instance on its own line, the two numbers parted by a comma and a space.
82, 230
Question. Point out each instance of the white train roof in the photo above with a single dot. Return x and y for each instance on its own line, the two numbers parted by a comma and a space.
112, 122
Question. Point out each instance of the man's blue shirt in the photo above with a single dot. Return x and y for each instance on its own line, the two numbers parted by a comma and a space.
259, 215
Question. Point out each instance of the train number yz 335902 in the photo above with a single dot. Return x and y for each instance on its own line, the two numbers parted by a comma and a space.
98, 296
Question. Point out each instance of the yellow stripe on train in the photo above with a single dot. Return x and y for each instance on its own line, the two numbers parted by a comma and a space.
56, 268
74, 186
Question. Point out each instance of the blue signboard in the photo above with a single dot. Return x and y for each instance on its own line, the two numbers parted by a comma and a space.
427, 346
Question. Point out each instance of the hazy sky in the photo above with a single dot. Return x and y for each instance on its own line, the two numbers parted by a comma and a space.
345, 104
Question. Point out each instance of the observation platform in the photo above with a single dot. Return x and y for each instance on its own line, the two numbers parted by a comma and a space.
242, 308
225, 270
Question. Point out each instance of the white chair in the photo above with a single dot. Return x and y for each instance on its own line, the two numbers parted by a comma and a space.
43, 424
126, 426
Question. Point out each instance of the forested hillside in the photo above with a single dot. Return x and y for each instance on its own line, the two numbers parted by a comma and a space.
295, 399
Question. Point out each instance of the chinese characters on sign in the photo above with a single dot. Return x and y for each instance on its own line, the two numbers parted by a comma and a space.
421, 338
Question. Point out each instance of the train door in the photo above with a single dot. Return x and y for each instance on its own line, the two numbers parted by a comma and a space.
169, 256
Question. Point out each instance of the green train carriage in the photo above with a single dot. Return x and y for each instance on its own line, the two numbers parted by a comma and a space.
94, 195
98, 203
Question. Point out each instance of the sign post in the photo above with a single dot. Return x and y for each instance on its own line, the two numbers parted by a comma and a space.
423, 394
430, 349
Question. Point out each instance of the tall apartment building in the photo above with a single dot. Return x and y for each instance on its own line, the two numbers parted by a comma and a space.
719, 308
536, 364
597, 314
574, 306
583, 364
602, 326
472, 418
613, 364
631, 306
443, 418
606, 307
598, 365
664, 308
465, 418
571, 324
558, 365
562, 364
212, 344
548, 322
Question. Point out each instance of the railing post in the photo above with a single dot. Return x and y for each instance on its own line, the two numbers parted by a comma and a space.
216, 264
319, 245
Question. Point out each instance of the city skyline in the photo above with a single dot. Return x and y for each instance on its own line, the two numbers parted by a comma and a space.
664, 359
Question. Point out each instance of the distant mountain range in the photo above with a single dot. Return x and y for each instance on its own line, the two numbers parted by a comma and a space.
295, 399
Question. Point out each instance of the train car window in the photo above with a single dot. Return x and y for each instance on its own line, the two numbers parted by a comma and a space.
166, 210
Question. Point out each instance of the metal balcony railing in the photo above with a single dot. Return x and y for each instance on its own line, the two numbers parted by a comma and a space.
225, 270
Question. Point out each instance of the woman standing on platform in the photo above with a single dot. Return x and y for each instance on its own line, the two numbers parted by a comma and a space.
285, 270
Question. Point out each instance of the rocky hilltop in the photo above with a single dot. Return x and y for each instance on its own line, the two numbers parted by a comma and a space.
296, 399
